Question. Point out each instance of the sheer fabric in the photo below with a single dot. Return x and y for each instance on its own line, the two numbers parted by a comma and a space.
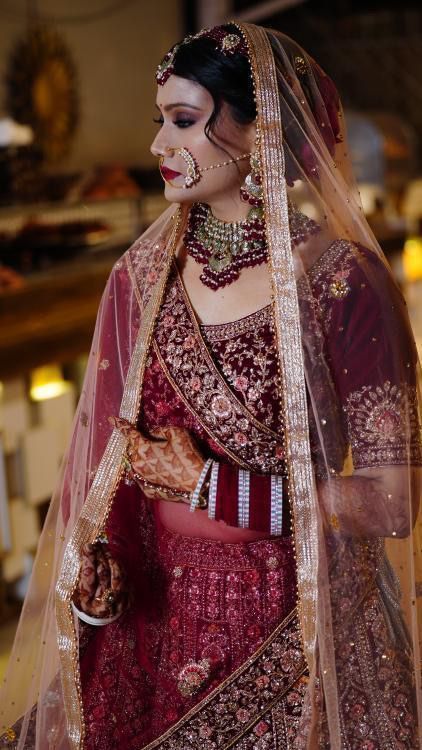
350, 404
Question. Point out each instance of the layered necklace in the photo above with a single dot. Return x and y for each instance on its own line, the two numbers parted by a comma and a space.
224, 248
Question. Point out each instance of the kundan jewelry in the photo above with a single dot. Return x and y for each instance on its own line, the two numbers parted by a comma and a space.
224, 248
193, 174
225, 41
251, 190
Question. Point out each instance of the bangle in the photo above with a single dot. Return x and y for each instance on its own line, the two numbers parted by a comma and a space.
195, 495
90, 620
171, 491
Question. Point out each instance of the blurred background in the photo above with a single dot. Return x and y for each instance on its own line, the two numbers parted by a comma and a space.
78, 184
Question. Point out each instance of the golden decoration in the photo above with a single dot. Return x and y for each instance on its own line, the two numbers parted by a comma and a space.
41, 86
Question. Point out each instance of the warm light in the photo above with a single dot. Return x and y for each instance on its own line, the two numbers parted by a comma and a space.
47, 382
412, 258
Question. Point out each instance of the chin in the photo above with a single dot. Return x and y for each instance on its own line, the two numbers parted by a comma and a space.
178, 195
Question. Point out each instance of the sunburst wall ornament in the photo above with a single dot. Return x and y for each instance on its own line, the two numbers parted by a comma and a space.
41, 83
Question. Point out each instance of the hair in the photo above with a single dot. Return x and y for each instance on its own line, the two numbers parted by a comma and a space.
226, 77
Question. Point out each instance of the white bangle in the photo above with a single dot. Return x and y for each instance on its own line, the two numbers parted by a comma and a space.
244, 481
93, 620
197, 491
276, 504
212, 494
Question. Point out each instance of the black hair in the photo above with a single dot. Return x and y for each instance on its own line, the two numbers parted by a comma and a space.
227, 77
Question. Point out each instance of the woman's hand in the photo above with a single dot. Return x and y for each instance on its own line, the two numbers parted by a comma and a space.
101, 590
171, 458
376, 501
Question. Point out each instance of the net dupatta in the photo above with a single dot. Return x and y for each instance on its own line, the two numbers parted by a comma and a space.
41, 690
350, 392
301, 482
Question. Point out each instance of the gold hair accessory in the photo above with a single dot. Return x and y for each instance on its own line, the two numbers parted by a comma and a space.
226, 42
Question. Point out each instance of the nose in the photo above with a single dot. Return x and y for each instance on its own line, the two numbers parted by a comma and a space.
159, 147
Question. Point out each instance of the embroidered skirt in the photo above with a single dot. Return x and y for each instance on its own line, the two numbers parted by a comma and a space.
214, 605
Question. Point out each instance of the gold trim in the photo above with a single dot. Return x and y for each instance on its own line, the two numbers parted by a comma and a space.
96, 508
211, 364
183, 398
186, 718
287, 321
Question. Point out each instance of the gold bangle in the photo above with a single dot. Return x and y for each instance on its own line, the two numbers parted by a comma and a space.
172, 491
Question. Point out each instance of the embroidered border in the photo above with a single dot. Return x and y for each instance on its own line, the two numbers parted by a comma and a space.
289, 341
383, 425
97, 506
250, 323
207, 395
235, 709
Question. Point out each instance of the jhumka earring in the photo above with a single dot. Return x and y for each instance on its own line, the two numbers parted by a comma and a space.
251, 189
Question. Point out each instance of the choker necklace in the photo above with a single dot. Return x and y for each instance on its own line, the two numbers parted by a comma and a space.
224, 248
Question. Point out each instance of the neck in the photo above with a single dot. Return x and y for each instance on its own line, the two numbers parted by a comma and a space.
229, 210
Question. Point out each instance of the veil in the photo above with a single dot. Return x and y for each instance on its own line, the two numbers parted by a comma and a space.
349, 390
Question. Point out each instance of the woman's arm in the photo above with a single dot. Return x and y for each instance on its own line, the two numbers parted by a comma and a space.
379, 501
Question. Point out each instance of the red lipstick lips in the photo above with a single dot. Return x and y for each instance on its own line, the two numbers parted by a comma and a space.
169, 174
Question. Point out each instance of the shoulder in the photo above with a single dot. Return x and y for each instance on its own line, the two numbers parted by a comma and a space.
343, 262
350, 275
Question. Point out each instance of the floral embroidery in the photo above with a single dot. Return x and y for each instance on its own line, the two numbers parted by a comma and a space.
339, 288
383, 424
374, 671
104, 364
142, 259
330, 275
232, 389
246, 357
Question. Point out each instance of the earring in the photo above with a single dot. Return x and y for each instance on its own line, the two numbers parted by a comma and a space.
251, 190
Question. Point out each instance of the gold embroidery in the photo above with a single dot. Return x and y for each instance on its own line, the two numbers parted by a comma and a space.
238, 705
383, 425
289, 343
192, 372
97, 506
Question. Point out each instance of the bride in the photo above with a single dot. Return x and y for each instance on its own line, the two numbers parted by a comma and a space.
231, 559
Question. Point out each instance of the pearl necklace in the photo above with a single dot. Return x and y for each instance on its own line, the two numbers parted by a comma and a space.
224, 248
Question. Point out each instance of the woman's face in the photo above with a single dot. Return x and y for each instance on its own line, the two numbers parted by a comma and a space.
185, 108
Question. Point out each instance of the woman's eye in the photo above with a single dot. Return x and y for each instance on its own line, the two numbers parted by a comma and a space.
183, 123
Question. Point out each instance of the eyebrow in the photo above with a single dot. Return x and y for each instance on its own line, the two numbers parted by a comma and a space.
169, 107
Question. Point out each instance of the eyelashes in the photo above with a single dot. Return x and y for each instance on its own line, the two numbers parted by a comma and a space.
181, 123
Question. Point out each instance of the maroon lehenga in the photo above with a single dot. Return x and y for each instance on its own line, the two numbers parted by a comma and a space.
206, 599
234, 604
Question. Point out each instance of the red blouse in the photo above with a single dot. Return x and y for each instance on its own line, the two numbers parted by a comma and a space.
221, 382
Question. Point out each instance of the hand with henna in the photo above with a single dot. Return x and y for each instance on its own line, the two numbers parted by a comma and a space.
101, 589
169, 458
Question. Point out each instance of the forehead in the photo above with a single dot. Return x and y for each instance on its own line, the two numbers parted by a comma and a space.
177, 89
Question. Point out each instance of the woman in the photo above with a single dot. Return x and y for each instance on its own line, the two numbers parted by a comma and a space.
240, 497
